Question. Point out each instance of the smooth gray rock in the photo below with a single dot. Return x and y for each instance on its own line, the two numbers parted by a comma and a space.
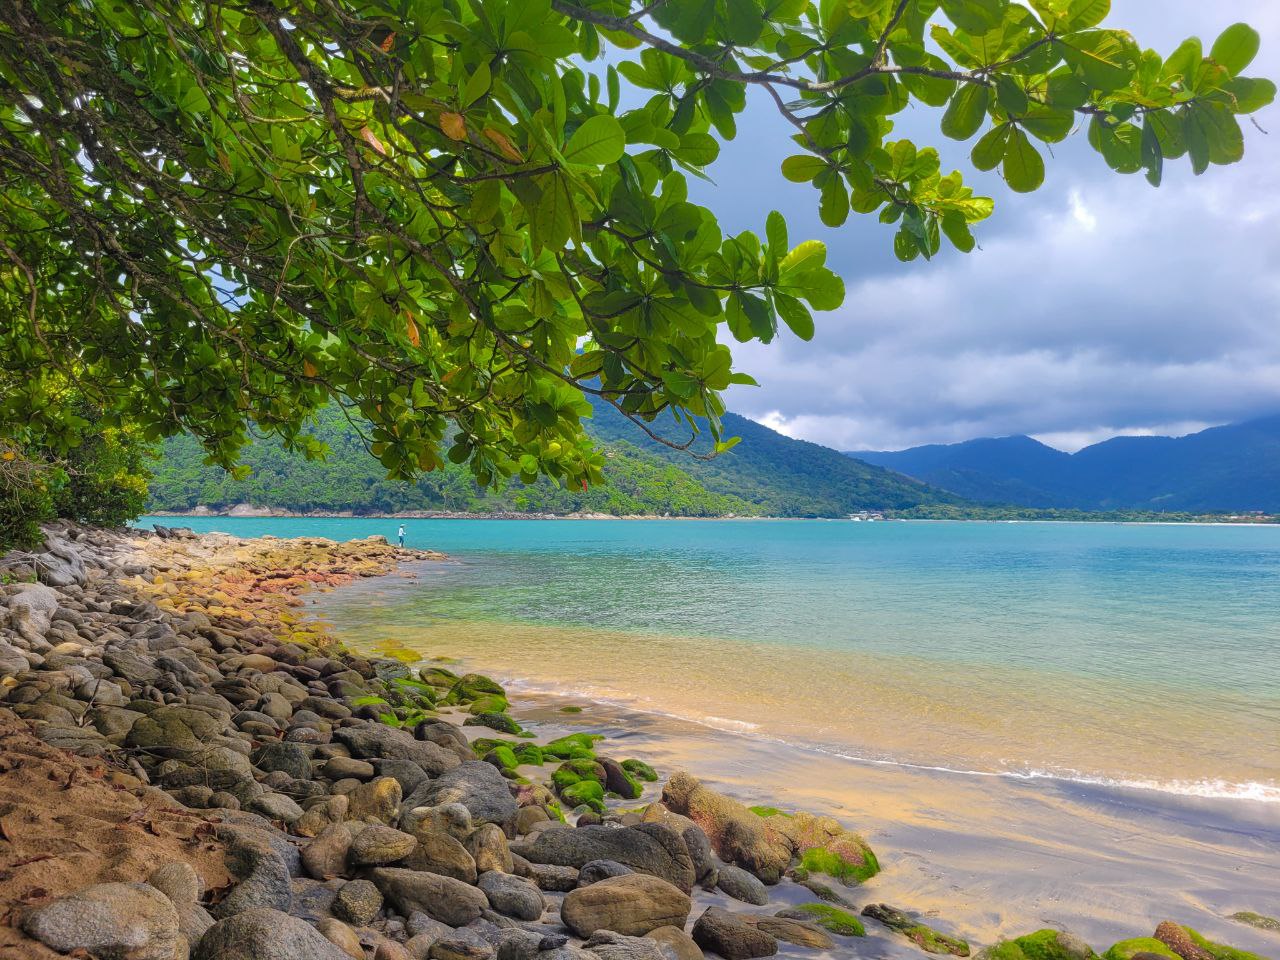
263, 872
441, 898
114, 921
476, 785
721, 932
264, 934
177, 880
598, 870
646, 848
378, 741
512, 896
741, 885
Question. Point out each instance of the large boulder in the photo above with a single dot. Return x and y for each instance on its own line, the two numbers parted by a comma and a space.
114, 921
646, 848
632, 904
264, 934
741, 885
477, 786
737, 834
31, 608
378, 741
732, 937
441, 898
513, 896
255, 858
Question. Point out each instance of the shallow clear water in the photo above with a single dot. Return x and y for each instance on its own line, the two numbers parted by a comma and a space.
1145, 655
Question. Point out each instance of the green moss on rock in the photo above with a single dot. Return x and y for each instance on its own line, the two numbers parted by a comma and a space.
1126, 949
1041, 945
489, 703
572, 747
503, 757
923, 936
768, 812
585, 792
819, 860
494, 721
529, 753
1256, 920
829, 918
472, 687
640, 771
438, 677
1219, 950
570, 709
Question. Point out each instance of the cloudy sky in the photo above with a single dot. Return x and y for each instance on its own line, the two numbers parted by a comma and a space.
1094, 307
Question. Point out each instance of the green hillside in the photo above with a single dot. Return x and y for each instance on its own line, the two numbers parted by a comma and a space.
766, 475
781, 476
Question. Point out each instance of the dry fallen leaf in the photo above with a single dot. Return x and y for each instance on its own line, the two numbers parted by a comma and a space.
411, 329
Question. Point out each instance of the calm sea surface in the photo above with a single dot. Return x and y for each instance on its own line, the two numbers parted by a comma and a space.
1146, 656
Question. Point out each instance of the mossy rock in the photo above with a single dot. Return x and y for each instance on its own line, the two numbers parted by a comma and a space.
829, 918
501, 722
502, 757
483, 745
576, 771
489, 703
529, 753
472, 687
417, 688
640, 771
768, 812
1256, 920
833, 864
1041, 945
368, 700
923, 936
1220, 950
438, 677
570, 709
1127, 949
585, 793
572, 747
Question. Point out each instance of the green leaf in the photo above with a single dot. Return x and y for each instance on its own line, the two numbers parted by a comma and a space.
967, 110
808, 255
1083, 14
1236, 47
1023, 166
833, 208
477, 85
803, 167
1252, 94
598, 141
795, 314
975, 16
957, 230
1152, 154
989, 152
1104, 59
776, 230
743, 21
1011, 96
555, 215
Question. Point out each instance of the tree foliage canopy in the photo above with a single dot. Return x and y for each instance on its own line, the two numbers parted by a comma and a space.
219, 216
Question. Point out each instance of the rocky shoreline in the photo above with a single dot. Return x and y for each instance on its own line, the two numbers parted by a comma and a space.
192, 768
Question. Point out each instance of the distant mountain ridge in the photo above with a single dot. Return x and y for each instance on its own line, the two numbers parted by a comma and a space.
1228, 469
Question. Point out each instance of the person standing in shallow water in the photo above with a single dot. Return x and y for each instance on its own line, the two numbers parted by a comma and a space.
401, 534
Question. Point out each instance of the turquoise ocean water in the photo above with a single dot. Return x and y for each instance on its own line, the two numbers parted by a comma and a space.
1135, 654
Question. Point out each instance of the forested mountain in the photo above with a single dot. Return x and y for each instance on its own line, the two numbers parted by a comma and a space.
1228, 469
766, 474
